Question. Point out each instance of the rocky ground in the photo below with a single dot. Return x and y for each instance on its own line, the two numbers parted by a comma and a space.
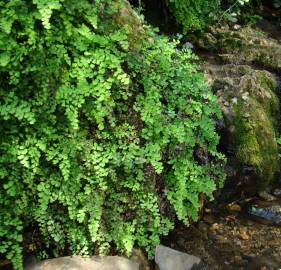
230, 240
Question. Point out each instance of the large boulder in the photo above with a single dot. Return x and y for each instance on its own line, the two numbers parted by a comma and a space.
242, 76
251, 112
79, 263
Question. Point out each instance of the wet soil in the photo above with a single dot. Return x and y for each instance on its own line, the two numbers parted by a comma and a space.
230, 240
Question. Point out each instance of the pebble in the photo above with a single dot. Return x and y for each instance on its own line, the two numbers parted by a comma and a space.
215, 227
244, 236
234, 207
208, 210
237, 26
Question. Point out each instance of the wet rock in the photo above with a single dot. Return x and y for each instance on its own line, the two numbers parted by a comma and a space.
169, 259
79, 263
267, 215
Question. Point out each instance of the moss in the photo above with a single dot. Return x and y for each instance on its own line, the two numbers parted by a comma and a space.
126, 17
272, 106
250, 105
255, 140
267, 82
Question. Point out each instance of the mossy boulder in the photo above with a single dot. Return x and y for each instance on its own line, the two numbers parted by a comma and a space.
245, 45
126, 17
251, 112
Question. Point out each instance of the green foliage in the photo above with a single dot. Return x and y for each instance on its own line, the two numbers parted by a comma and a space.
241, 10
94, 134
195, 14
277, 3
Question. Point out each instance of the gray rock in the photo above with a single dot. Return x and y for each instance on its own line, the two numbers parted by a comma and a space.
79, 263
170, 259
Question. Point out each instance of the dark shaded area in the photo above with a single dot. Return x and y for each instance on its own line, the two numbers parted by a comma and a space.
158, 15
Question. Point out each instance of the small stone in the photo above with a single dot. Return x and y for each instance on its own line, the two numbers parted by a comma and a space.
234, 207
208, 210
234, 100
243, 235
215, 227
170, 259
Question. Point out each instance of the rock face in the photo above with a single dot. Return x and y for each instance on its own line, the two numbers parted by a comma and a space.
246, 94
170, 259
79, 263
245, 45
250, 109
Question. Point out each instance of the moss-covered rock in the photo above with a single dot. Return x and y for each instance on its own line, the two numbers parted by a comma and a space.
251, 111
244, 45
256, 139
126, 17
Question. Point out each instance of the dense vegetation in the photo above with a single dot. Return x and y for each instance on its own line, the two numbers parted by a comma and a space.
105, 134
195, 15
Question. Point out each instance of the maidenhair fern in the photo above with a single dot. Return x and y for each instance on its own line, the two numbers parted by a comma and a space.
194, 15
97, 138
